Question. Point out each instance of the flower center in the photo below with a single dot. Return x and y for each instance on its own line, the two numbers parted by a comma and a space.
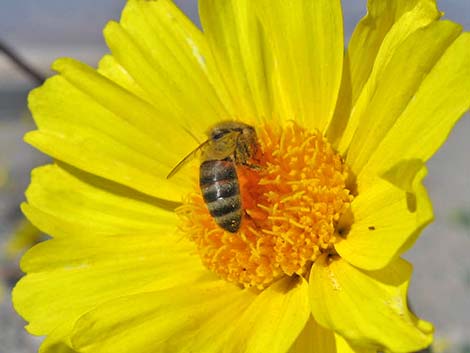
291, 203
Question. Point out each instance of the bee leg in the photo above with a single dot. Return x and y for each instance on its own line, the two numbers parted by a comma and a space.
253, 166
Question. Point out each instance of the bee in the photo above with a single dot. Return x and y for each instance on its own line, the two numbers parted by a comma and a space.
229, 144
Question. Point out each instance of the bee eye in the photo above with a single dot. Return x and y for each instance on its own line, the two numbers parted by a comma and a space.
218, 135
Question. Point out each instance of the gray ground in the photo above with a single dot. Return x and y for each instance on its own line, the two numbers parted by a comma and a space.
441, 283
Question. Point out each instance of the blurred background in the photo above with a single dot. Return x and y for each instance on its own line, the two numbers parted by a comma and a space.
41, 31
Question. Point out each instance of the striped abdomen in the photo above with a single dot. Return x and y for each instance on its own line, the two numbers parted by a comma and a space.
219, 186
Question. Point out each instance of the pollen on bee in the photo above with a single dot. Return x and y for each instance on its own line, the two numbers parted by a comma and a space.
292, 204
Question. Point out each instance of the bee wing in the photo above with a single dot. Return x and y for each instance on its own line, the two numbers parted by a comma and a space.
187, 159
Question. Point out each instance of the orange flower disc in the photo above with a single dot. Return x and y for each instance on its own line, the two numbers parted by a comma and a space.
292, 204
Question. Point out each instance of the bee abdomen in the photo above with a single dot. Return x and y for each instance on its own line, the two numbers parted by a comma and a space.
217, 170
231, 221
224, 206
220, 190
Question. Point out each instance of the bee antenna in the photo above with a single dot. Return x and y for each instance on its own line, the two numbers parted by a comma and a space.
189, 132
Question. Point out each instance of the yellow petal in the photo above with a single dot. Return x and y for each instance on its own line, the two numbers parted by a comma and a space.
274, 320
110, 68
92, 123
314, 339
386, 216
368, 308
372, 46
443, 97
63, 201
168, 56
342, 346
162, 321
237, 44
212, 316
380, 32
399, 81
57, 348
67, 277
306, 41
58, 341
24, 236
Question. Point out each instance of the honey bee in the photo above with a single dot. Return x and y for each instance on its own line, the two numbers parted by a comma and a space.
229, 144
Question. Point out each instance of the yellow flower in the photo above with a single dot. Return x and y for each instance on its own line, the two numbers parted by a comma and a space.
332, 199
